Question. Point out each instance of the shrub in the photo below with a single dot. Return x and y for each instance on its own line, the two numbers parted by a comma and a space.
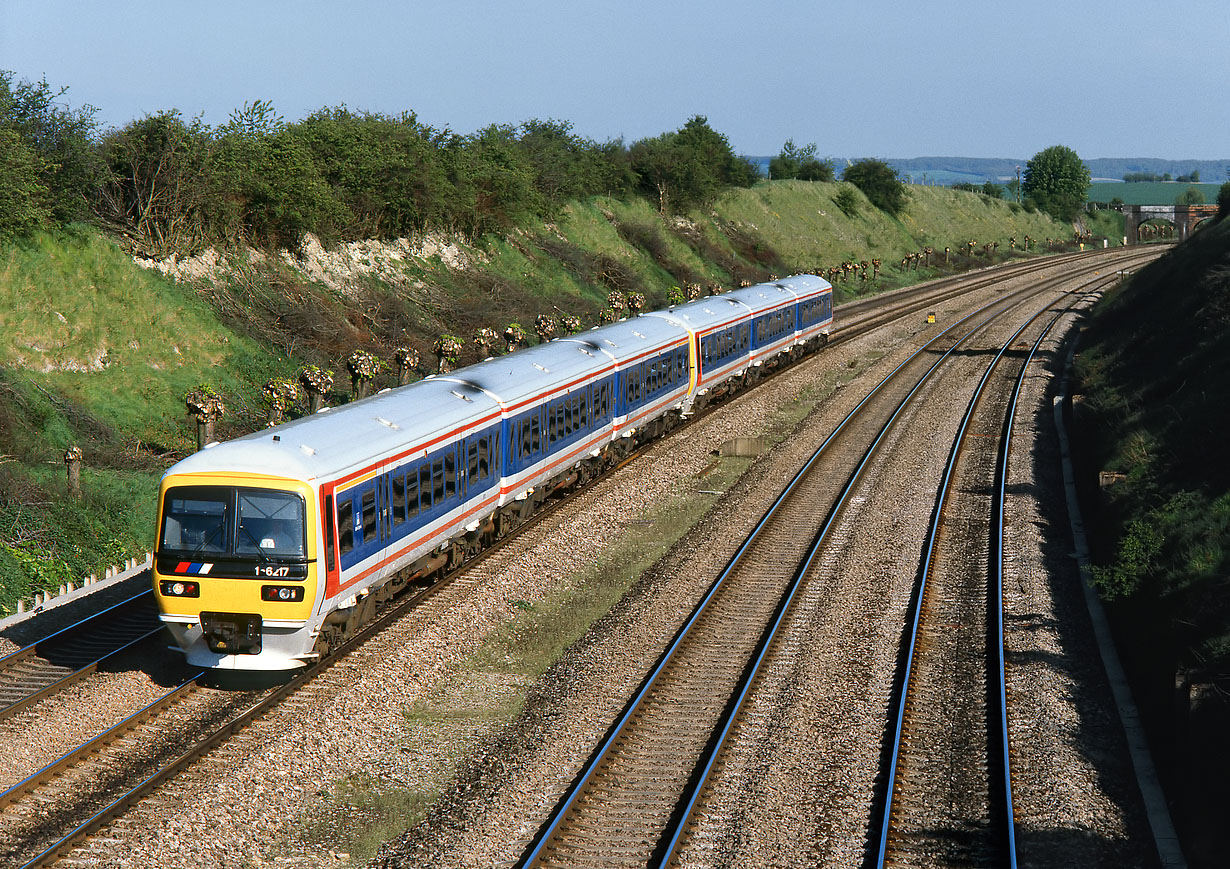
846, 200
879, 183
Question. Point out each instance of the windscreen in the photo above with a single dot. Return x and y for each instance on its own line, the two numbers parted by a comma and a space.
223, 521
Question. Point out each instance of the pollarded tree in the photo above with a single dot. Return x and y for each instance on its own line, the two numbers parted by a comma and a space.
1058, 180
879, 183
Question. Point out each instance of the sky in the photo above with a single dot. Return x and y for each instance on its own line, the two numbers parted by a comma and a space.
873, 78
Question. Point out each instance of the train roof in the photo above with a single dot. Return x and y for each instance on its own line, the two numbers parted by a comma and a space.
764, 297
704, 314
533, 372
804, 285
628, 340
323, 444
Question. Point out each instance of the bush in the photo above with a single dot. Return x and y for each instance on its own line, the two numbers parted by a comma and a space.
846, 200
879, 183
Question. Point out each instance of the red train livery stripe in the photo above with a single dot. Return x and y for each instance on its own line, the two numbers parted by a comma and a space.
193, 567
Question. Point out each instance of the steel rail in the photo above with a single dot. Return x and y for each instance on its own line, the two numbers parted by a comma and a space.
108, 736
928, 561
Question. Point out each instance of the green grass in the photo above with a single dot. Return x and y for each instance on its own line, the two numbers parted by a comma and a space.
1148, 192
802, 221
123, 343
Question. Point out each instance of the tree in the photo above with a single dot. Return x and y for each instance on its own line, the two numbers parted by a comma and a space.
800, 163
23, 197
1223, 201
1058, 180
156, 190
879, 183
70, 166
267, 174
1190, 196
689, 167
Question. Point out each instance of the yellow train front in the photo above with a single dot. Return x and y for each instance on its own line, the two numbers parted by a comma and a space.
235, 568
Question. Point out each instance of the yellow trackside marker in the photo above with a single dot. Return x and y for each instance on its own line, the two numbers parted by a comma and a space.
931, 317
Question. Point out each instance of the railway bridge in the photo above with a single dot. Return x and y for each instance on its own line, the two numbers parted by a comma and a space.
1184, 217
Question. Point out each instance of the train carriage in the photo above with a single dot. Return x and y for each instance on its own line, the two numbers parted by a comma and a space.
557, 405
651, 361
359, 491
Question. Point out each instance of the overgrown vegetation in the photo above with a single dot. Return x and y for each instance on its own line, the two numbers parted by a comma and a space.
171, 186
1153, 371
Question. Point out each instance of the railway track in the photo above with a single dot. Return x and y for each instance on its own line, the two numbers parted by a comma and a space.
181, 759
56, 662
631, 803
948, 797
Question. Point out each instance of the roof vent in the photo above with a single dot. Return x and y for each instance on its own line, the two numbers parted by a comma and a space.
460, 395
383, 421
541, 368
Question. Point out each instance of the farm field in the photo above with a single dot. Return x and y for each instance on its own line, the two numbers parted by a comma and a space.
1148, 192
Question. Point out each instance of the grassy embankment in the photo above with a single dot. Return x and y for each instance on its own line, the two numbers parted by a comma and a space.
1153, 370
99, 353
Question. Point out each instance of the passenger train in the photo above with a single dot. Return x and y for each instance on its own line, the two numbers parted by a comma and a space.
274, 547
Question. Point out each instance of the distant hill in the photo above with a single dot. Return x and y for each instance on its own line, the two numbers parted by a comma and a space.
946, 171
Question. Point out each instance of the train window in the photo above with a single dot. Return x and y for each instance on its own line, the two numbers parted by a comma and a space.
450, 476
472, 458
437, 482
567, 417
270, 523
425, 485
197, 519
398, 488
535, 434
484, 457
345, 526
369, 516
412, 493
328, 529
527, 444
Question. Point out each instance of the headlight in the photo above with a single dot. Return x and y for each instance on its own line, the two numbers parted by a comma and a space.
282, 593
179, 588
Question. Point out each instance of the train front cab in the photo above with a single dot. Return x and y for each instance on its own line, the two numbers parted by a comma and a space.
235, 569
